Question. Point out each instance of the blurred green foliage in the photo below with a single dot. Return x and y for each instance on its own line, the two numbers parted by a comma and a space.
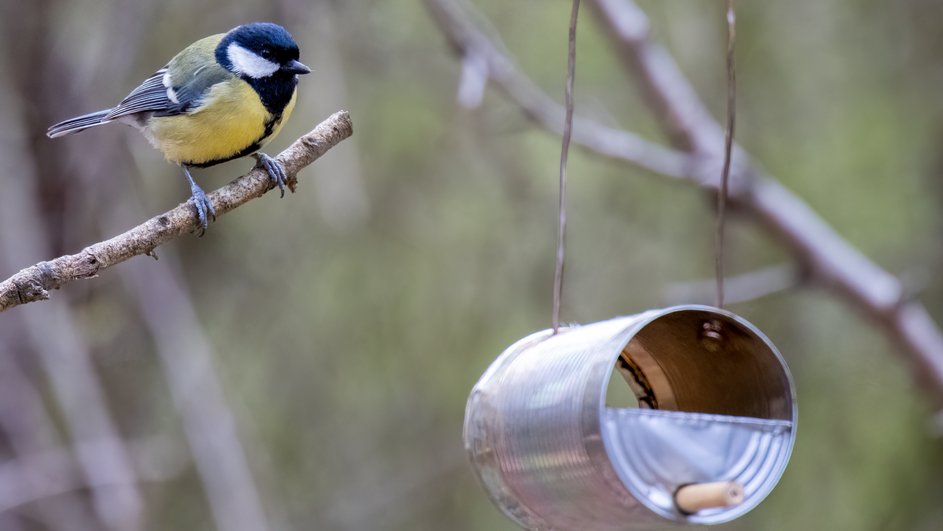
350, 320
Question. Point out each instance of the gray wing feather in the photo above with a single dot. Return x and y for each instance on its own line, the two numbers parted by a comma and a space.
79, 123
150, 96
155, 97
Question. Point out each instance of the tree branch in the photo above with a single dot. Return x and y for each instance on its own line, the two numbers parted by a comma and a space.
470, 42
821, 253
33, 283
830, 260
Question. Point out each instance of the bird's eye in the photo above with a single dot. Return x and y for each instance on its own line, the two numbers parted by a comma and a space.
266, 53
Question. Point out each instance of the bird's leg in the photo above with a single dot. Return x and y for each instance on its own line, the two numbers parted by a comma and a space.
274, 169
204, 208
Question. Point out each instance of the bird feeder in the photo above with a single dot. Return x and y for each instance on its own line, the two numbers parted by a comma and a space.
707, 437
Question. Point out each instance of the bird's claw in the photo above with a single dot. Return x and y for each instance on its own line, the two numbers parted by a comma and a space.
275, 170
204, 208
202, 204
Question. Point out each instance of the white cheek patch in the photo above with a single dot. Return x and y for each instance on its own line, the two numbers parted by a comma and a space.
247, 63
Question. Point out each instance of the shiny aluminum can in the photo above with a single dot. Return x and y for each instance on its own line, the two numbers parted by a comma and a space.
713, 401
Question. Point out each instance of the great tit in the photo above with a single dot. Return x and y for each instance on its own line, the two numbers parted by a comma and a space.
221, 98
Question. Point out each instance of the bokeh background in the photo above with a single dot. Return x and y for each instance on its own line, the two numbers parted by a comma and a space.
305, 364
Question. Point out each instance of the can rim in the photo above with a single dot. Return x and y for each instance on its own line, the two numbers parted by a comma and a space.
782, 460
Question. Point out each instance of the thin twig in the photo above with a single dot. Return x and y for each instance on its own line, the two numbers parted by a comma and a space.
564, 155
33, 283
728, 151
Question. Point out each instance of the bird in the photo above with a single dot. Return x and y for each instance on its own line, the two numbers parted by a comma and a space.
223, 97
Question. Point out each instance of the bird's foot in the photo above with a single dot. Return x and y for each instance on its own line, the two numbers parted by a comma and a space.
202, 204
204, 208
275, 170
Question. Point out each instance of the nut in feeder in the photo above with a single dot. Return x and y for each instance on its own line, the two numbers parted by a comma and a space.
710, 438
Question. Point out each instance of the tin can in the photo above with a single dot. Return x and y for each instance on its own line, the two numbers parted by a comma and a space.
713, 401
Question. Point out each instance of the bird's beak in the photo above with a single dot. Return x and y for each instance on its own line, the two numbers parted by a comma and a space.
296, 67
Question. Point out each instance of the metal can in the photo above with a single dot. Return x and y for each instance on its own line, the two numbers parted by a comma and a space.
715, 402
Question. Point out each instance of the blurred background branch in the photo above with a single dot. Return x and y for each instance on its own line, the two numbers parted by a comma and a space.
208, 424
483, 58
830, 261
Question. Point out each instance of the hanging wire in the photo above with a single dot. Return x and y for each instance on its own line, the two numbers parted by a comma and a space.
564, 155
728, 149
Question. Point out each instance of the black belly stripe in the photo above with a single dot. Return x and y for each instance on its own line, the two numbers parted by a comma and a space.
255, 146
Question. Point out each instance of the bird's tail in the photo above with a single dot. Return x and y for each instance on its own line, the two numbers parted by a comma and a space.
79, 123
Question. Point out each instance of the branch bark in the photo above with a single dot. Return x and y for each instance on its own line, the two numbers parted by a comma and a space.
820, 252
33, 283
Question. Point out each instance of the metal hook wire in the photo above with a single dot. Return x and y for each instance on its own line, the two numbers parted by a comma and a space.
564, 155
728, 149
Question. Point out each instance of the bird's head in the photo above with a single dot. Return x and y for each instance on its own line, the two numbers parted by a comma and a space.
260, 50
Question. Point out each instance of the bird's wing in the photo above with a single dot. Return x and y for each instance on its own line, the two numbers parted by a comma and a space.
180, 86
151, 96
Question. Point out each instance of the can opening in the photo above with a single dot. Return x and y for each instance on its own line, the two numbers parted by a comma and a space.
698, 396
700, 362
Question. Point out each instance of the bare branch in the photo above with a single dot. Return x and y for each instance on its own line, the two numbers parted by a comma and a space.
477, 49
668, 93
34, 282
820, 252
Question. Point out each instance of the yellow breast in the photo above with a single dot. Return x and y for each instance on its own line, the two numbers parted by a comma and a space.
230, 121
